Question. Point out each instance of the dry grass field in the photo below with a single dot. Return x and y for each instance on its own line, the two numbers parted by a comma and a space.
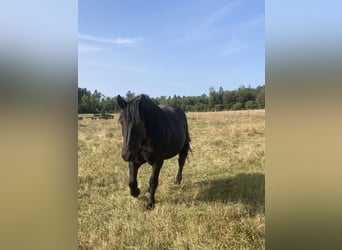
219, 205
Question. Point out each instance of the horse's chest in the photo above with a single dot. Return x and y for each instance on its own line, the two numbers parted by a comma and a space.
159, 152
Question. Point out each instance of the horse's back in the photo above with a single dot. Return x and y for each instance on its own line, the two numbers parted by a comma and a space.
175, 116
175, 129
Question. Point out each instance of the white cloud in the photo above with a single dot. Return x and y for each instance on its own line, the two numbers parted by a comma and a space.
256, 22
233, 48
124, 42
206, 26
87, 48
219, 14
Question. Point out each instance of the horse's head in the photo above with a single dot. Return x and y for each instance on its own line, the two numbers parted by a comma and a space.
132, 126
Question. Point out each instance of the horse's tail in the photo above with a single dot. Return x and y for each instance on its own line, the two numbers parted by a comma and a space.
186, 148
188, 140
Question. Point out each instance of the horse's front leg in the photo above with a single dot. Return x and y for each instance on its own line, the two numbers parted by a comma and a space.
132, 182
153, 183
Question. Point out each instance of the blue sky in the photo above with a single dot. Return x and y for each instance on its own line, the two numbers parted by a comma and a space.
162, 48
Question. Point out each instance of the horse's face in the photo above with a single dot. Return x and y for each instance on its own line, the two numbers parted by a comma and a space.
131, 139
132, 132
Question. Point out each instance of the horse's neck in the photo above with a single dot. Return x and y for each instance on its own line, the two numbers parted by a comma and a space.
154, 121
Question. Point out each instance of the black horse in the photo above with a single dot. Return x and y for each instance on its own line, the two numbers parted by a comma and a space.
152, 133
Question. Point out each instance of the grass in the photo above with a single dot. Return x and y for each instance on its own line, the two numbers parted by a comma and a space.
219, 205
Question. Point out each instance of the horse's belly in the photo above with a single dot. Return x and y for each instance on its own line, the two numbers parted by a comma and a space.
168, 156
173, 149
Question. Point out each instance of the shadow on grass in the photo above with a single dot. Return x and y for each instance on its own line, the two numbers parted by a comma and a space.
249, 189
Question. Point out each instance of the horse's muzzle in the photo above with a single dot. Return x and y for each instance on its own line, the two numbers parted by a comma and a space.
127, 157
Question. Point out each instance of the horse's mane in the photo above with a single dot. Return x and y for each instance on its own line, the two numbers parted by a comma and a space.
142, 110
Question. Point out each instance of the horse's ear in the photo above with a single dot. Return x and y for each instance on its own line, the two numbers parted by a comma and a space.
122, 103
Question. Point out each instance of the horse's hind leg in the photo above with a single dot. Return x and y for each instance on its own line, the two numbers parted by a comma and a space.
181, 161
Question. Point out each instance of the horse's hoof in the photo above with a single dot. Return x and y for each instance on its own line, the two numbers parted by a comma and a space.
150, 206
135, 193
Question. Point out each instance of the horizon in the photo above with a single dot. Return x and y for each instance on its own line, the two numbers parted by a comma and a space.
171, 95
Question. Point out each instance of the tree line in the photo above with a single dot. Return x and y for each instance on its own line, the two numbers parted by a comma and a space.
239, 99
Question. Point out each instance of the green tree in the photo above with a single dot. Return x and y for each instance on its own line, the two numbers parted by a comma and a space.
213, 98
108, 105
130, 95
85, 105
237, 106
260, 98
95, 101
228, 99
251, 105
162, 100
240, 98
